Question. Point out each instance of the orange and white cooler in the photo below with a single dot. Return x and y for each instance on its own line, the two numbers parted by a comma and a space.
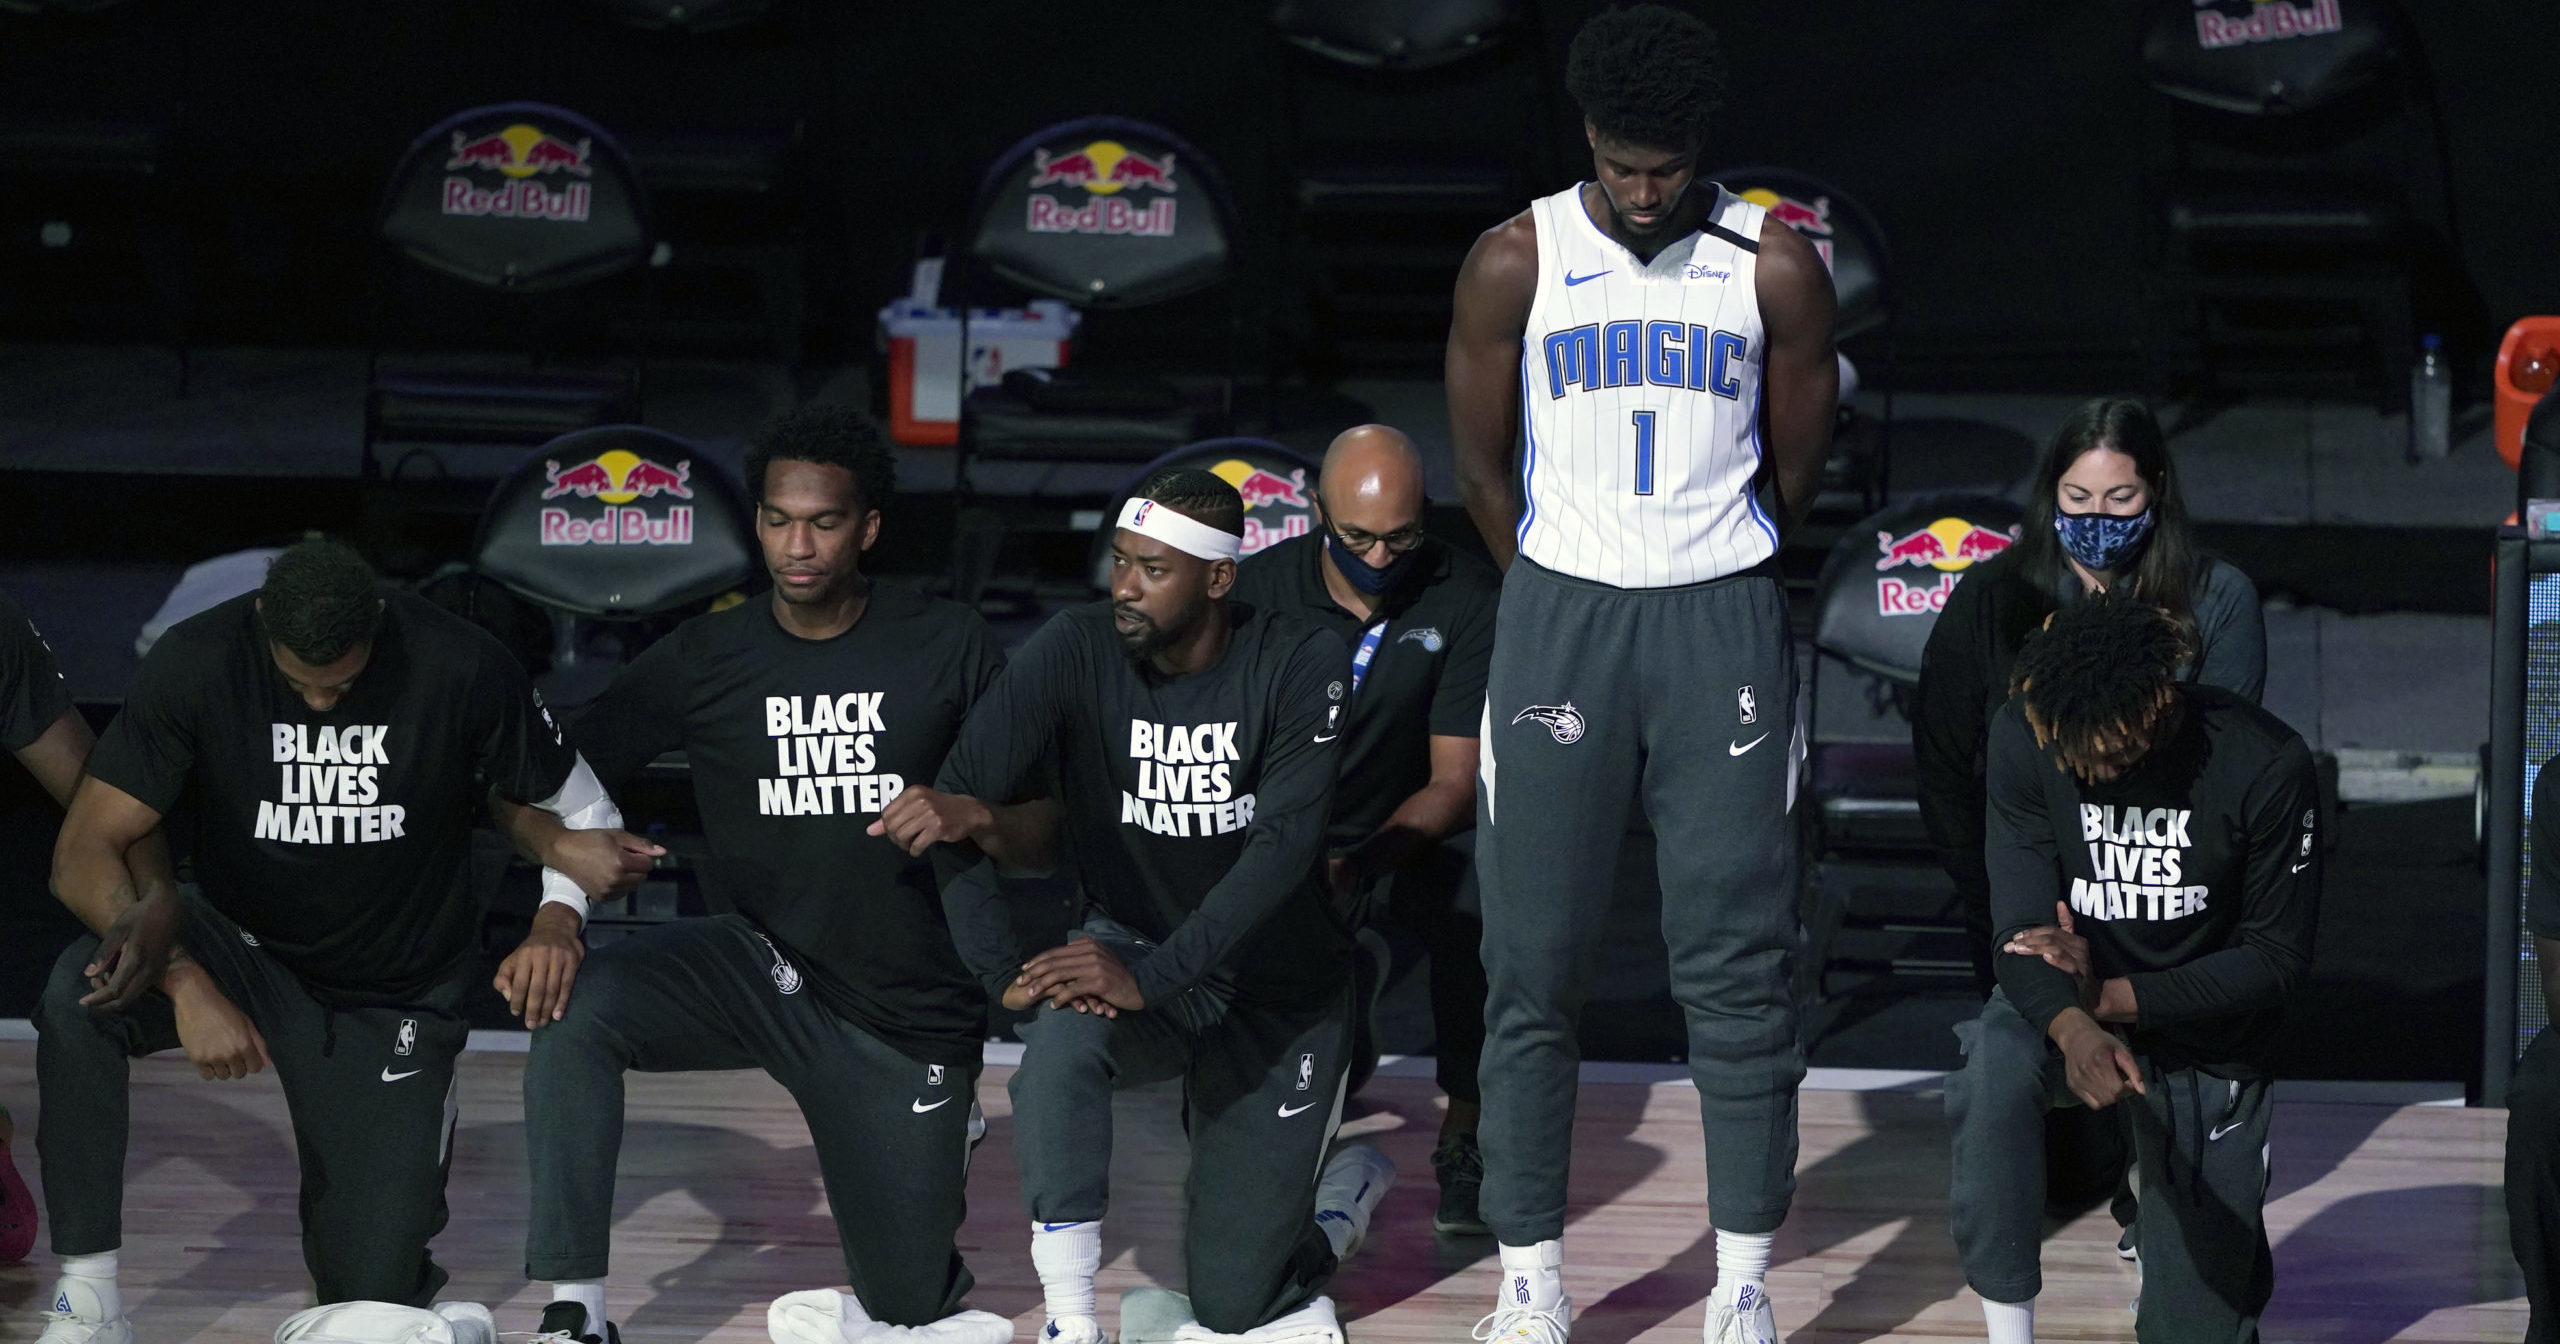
924, 358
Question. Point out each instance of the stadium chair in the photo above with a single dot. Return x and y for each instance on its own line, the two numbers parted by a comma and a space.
2305, 171
1406, 128
1879, 596
1857, 478
684, 16
515, 242
1278, 484
92, 239
729, 207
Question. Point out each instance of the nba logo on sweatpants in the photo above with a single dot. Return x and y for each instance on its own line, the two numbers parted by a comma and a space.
407, 1041
933, 1075
1749, 703
1306, 1070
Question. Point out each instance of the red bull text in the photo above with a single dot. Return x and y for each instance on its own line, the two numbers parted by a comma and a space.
2267, 21
617, 478
1948, 545
1104, 169
519, 154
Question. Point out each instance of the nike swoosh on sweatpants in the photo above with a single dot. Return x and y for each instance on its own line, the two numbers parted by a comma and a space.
389, 1077
920, 1108
1287, 1111
1737, 748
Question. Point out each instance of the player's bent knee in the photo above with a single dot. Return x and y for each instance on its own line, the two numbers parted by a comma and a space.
2533, 1094
59, 1008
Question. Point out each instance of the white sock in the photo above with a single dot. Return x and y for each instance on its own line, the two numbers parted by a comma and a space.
1532, 1276
588, 1293
97, 1284
1741, 1258
2010, 1322
1067, 1256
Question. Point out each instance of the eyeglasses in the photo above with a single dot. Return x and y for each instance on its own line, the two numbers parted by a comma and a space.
1359, 543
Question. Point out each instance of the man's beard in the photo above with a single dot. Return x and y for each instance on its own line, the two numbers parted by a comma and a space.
1150, 639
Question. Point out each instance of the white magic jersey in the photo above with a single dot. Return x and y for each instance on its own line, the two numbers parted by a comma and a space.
1640, 401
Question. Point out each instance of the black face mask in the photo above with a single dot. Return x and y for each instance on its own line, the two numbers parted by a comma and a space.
1369, 579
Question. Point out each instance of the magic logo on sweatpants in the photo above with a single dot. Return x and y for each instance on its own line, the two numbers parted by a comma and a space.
330, 792
825, 751
2138, 854
1186, 780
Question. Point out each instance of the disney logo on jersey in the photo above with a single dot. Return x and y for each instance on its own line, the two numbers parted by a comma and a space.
1564, 721
1685, 357
826, 756
1714, 274
1186, 780
331, 786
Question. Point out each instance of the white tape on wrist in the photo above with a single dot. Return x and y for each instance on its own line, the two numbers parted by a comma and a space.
1188, 535
582, 805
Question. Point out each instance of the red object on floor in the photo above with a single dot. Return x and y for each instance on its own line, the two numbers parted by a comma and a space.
2514, 395
17, 1211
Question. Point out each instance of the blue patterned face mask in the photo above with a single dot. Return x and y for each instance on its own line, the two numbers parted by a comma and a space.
2103, 541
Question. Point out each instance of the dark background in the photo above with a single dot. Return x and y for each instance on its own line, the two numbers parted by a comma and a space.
2000, 144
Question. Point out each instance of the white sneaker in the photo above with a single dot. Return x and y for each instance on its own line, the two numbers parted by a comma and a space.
1747, 1321
1527, 1325
78, 1317
471, 1322
963, 1327
815, 1316
1355, 1178
1071, 1330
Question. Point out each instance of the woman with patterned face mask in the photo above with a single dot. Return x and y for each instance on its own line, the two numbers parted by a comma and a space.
2105, 514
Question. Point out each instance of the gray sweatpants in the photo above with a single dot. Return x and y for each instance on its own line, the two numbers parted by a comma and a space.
1262, 1094
370, 1091
891, 1133
2199, 1146
1682, 699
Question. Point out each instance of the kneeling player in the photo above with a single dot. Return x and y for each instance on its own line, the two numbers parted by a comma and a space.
327, 738
2154, 883
1192, 740
802, 717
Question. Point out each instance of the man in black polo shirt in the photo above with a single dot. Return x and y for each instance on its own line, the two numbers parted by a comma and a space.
2155, 879
803, 717
333, 742
1416, 619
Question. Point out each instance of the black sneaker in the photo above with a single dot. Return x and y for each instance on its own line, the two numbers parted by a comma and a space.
566, 1323
1460, 1166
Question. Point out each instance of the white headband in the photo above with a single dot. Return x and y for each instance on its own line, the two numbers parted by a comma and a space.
1148, 518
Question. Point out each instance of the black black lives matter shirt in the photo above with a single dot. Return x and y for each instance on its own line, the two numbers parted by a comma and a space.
2195, 875
1195, 805
2542, 880
32, 694
1425, 681
795, 747
337, 838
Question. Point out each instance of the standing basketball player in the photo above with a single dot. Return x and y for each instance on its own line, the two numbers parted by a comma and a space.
1664, 349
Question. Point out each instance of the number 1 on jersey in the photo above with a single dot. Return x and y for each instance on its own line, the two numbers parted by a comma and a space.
1644, 452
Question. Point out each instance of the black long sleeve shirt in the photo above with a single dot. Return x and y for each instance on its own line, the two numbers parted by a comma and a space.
2195, 875
1195, 805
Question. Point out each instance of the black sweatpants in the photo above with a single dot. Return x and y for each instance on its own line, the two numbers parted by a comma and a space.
1262, 1094
891, 1133
1426, 899
1681, 700
370, 1092
2200, 1145
2533, 1181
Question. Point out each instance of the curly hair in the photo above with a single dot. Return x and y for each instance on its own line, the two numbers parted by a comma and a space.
2100, 669
1647, 75
831, 436
1197, 495
319, 601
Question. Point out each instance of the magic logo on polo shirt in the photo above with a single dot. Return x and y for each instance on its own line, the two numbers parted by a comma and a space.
826, 756
330, 792
1186, 780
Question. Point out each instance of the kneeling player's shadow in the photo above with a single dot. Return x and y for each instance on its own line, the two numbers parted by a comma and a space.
776, 1234
255, 1252
2351, 1275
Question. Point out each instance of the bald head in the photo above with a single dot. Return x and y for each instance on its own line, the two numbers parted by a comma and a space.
1372, 480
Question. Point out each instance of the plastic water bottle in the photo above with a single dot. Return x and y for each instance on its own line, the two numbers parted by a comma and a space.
2430, 402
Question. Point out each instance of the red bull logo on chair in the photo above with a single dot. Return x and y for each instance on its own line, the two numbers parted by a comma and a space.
2266, 21
1286, 503
1949, 546
1105, 169
1813, 221
520, 155
618, 478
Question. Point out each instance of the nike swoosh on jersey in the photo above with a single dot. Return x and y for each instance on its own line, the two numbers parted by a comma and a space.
389, 1077
1570, 279
920, 1108
1287, 1111
1737, 748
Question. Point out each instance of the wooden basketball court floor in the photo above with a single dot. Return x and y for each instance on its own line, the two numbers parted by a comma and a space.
2387, 1219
